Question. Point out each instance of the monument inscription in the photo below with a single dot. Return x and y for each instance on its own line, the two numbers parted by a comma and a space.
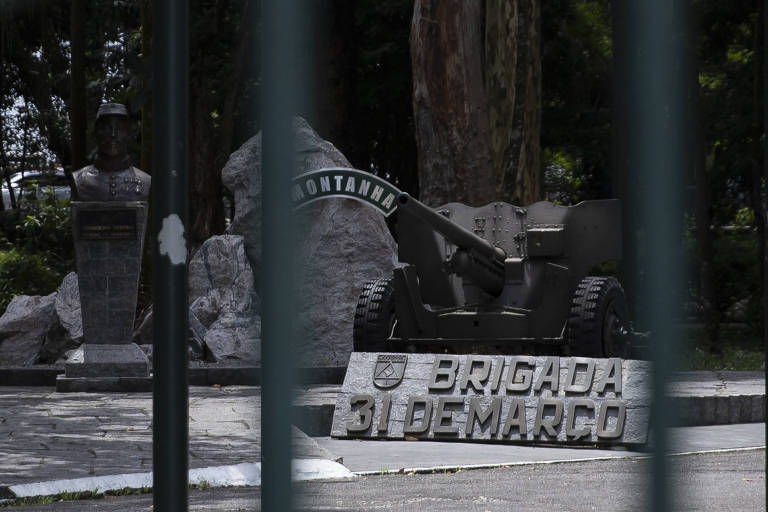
508, 399
100, 224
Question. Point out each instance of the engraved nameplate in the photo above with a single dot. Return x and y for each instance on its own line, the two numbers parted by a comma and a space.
506, 399
107, 224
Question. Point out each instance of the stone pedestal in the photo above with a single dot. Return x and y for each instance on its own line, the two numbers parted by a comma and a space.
109, 239
99, 367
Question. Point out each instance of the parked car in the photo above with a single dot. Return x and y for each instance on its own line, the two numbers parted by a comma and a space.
35, 183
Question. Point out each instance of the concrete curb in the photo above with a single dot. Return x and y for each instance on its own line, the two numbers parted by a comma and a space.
466, 467
239, 475
719, 410
199, 375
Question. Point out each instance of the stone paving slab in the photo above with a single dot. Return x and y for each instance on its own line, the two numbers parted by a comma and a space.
46, 435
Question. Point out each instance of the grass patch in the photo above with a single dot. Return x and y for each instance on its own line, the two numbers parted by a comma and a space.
72, 496
741, 349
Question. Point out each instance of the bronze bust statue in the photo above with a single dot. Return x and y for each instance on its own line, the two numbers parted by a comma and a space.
112, 177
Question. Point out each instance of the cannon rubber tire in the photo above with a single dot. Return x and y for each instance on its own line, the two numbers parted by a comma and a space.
598, 324
374, 316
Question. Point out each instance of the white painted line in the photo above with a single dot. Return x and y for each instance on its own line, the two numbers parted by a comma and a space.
239, 475
319, 469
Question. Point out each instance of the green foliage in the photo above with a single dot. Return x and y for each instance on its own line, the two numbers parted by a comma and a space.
577, 67
736, 273
23, 272
73, 496
35, 249
740, 349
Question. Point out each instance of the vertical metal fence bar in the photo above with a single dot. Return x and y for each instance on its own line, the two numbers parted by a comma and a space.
764, 241
280, 91
657, 163
169, 272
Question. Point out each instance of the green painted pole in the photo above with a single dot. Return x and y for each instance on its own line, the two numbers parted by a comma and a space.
170, 434
764, 241
281, 88
657, 166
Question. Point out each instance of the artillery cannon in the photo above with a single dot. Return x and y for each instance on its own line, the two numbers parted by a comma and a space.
500, 277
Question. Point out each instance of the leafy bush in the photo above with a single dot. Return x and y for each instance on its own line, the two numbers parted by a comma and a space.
23, 272
36, 249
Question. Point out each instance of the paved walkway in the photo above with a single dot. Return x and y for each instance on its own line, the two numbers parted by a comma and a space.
46, 435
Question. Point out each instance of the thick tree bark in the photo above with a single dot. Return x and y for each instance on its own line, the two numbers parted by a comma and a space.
476, 100
513, 83
450, 104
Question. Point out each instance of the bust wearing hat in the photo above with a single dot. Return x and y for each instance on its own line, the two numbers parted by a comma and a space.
111, 177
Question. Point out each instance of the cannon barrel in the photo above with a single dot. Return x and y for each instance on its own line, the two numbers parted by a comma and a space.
457, 235
475, 257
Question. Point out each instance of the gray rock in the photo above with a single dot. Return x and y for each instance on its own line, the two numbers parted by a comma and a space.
223, 312
220, 272
206, 310
67, 333
24, 327
224, 304
344, 243
234, 338
67, 306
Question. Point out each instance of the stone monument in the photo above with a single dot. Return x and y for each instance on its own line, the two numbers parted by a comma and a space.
109, 220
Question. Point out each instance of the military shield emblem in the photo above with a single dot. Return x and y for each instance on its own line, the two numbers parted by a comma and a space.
389, 370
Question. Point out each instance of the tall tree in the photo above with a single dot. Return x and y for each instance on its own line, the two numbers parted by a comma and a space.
77, 105
476, 100
220, 50
362, 85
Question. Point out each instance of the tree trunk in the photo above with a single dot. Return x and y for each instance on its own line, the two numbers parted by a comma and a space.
77, 106
701, 171
211, 137
476, 100
334, 75
145, 158
513, 84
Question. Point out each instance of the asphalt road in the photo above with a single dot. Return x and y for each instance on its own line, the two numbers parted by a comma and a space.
725, 481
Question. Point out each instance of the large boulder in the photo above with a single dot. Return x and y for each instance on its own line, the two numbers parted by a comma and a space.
223, 313
37, 329
224, 301
24, 328
343, 244
67, 307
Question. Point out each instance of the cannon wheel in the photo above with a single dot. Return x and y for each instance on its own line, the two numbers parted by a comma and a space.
374, 316
598, 325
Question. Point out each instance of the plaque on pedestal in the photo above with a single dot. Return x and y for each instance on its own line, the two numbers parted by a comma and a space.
109, 239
